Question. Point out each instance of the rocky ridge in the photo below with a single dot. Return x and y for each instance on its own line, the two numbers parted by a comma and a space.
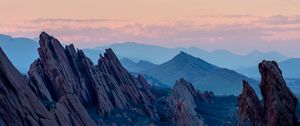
65, 88
63, 85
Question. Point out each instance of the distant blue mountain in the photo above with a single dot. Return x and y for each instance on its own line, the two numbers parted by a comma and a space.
221, 58
21, 51
139, 66
155, 54
202, 74
94, 55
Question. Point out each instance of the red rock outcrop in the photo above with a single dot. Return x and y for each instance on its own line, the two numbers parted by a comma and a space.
183, 102
136, 91
250, 110
19, 106
279, 103
63, 84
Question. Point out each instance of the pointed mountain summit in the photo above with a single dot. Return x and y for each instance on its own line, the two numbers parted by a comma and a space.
200, 73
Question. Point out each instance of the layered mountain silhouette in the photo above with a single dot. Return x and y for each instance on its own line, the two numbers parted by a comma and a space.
63, 87
201, 73
136, 52
159, 55
139, 66
21, 51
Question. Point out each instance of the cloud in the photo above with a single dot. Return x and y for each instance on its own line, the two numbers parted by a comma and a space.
238, 33
43, 20
282, 20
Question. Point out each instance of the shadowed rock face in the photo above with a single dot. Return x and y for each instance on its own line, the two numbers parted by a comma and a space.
183, 104
63, 84
250, 110
20, 106
279, 103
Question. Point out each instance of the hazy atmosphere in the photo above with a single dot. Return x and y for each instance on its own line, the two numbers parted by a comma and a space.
238, 26
149, 63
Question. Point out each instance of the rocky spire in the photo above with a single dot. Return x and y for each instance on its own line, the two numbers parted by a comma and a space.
134, 90
249, 108
279, 102
183, 104
107, 86
20, 106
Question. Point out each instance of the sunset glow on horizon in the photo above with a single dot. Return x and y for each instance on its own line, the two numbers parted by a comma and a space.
239, 26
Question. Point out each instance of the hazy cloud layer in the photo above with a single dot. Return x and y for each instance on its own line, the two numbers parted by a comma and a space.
237, 33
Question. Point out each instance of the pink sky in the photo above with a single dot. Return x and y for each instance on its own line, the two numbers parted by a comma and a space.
240, 26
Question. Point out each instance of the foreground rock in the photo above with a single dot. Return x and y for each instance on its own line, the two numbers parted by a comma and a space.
279, 103
64, 88
20, 106
184, 102
250, 110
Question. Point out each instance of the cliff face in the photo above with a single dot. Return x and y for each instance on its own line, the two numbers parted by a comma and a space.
250, 110
64, 88
20, 106
184, 102
279, 103
63, 84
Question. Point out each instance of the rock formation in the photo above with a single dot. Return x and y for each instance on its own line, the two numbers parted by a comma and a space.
279, 103
64, 84
65, 88
250, 110
20, 106
183, 104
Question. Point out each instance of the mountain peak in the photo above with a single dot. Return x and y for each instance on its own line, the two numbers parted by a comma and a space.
44, 35
183, 55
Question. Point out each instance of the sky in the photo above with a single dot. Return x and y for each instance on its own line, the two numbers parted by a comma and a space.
240, 26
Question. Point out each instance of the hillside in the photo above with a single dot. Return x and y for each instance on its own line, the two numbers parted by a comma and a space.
202, 74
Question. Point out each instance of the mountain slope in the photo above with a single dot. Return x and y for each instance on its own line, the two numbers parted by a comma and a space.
290, 68
204, 75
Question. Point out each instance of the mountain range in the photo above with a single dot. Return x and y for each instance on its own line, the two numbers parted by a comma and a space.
64, 88
136, 52
203, 75
136, 66
159, 55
